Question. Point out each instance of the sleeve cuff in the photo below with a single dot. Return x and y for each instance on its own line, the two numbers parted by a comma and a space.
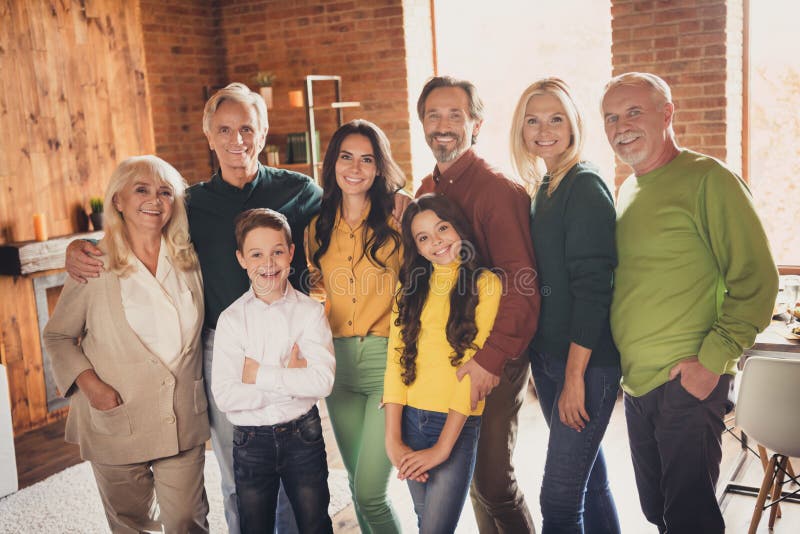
717, 355
73, 385
394, 399
461, 402
586, 325
490, 359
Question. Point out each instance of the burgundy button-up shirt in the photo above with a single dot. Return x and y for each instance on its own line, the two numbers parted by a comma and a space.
498, 211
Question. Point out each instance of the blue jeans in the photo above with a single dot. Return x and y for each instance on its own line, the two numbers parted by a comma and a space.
439, 501
222, 444
292, 453
575, 495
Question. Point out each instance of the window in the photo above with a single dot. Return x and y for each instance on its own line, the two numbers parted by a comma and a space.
503, 47
774, 123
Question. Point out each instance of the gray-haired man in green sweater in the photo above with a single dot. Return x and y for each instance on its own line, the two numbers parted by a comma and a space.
694, 284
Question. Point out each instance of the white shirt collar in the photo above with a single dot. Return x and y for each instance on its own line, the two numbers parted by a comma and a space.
289, 296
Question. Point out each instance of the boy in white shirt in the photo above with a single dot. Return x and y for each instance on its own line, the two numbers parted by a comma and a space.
273, 360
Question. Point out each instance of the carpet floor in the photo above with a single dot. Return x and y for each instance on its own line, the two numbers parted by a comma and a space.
68, 502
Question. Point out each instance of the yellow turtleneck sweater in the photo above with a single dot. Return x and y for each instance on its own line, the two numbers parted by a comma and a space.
436, 387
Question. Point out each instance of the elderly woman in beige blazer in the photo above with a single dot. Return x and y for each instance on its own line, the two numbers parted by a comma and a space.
125, 347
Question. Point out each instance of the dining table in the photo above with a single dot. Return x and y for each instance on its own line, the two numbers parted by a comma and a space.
776, 341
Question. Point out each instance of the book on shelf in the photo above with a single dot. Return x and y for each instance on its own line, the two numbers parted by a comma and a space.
297, 147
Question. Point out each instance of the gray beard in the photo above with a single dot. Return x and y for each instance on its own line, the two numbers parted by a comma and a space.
444, 156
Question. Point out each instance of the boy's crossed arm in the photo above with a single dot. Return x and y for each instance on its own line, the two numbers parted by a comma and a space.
250, 371
311, 367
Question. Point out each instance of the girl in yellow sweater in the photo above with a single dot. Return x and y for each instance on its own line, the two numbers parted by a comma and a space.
445, 307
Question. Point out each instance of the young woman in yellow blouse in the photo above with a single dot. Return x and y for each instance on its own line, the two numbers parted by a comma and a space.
446, 306
356, 247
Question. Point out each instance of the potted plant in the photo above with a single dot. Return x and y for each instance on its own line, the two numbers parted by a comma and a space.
96, 204
264, 80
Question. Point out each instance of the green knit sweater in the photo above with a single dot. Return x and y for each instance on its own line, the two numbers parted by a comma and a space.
695, 273
573, 238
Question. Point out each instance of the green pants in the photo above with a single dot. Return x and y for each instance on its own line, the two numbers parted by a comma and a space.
359, 426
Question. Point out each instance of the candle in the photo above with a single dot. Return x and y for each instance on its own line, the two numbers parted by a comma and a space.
296, 99
39, 227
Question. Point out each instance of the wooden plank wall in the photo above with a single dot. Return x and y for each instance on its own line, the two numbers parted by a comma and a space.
21, 353
73, 103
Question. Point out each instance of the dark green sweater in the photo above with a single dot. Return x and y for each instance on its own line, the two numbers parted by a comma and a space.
212, 207
573, 238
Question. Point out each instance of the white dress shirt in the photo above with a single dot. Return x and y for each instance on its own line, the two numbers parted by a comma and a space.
266, 333
159, 308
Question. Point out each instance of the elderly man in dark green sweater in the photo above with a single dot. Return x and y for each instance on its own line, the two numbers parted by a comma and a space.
694, 284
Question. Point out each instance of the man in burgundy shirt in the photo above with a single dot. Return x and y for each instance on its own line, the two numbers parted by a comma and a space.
498, 211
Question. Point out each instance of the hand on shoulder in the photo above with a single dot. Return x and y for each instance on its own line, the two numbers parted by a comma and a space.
82, 261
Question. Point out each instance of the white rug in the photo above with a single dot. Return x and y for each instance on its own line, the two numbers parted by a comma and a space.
68, 502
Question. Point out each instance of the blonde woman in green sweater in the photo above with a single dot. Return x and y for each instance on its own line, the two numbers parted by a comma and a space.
573, 358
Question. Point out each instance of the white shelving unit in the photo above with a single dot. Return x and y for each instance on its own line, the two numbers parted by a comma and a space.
311, 106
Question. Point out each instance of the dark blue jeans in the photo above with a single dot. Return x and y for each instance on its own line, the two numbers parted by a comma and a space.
292, 453
676, 447
439, 501
575, 496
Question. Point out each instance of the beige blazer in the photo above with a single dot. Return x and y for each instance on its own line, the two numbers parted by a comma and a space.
161, 413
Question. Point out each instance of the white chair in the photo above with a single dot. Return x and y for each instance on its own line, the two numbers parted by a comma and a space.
767, 411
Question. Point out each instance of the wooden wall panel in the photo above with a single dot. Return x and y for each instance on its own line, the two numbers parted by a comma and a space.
73, 103
20, 352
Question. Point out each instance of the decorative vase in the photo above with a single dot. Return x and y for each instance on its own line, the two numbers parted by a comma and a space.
97, 220
266, 92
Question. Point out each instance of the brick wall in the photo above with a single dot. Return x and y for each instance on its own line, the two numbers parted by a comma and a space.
184, 53
685, 42
363, 42
420, 65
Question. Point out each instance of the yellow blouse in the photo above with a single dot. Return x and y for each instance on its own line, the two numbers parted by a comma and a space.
436, 387
358, 291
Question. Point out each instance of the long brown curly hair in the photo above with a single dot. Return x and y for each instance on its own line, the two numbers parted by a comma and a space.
415, 275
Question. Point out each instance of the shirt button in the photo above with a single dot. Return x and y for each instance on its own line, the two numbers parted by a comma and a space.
351, 236
169, 419
352, 281
349, 323
349, 258
153, 361
354, 300
169, 381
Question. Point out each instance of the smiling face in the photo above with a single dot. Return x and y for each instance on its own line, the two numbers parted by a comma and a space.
546, 130
356, 166
145, 204
236, 138
267, 257
448, 127
637, 126
437, 240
